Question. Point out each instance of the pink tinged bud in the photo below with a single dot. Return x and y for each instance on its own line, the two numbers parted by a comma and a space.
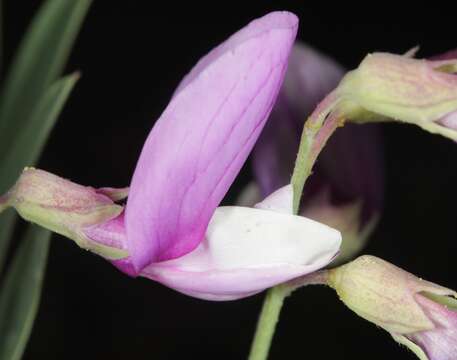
394, 87
66, 208
202, 139
417, 313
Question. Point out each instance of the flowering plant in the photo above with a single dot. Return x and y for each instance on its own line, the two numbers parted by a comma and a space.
316, 196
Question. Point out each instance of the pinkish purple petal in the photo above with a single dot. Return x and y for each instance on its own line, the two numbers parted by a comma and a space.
202, 139
439, 343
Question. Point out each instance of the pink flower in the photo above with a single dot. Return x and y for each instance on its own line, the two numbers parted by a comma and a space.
172, 229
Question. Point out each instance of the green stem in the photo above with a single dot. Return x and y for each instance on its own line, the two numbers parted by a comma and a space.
266, 324
271, 310
318, 128
314, 136
315, 278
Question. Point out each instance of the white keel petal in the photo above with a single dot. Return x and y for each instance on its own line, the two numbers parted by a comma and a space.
282, 200
247, 250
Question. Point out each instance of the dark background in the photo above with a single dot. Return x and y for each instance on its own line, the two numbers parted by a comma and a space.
132, 54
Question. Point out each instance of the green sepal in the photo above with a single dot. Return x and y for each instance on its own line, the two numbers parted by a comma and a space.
64, 207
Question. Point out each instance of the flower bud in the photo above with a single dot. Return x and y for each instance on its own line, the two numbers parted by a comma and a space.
417, 313
65, 207
394, 87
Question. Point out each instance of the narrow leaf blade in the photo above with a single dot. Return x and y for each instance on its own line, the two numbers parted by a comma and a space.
7, 221
1, 38
20, 293
38, 62
29, 144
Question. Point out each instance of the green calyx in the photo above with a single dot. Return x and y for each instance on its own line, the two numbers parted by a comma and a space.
64, 207
389, 87
380, 293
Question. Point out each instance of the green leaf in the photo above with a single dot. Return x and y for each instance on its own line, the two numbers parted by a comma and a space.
7, 221
29, 144
30, 102
1, 37
38, 62
20, 293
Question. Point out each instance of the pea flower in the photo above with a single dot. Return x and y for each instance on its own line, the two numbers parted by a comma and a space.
418, 314
394, 87
346, 188
171, 229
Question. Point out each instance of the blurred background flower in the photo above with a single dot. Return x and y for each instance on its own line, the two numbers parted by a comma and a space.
346, 188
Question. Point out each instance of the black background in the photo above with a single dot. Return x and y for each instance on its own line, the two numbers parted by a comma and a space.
132, 54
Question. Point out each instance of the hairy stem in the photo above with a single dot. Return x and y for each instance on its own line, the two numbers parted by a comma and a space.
315, 278
317, 130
